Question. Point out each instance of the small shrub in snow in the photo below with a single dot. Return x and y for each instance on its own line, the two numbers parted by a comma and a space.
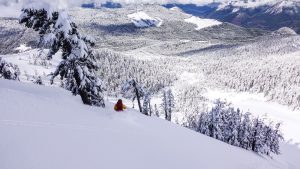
38, 80
9, 70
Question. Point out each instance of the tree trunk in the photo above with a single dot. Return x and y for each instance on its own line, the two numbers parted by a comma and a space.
85, 98
83, 94
150, 112
137, 96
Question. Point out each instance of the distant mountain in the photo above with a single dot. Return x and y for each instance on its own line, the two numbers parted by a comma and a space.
108, 26
105, 5
268, 15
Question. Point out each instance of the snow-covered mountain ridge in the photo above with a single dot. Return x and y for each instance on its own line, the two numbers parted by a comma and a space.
264, 14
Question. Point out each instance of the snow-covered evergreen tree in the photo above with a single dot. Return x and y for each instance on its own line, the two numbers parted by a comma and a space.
258, 136
171, 103
234, 122
164, 104
9, 70
78, 64
276, 137
244, 135
216, 116
168, 103
146, 104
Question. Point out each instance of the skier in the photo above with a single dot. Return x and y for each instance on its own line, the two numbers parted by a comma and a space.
119, 106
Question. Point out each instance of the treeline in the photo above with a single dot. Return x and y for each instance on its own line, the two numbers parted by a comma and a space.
278, 80
273, 71
232, 126
116, 69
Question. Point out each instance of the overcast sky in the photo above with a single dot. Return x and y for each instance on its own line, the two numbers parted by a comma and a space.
11, 8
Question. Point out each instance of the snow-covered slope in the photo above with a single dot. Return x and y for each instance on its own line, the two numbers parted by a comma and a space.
46, 127
262, 14
285, 31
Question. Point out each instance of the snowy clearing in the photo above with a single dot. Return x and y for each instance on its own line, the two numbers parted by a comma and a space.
46, 127
142, 20
22, 48
202, 23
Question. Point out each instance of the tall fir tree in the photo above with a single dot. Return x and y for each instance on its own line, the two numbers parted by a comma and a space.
156, 111
146, 104
168, 103
276, 137
171, 103
164, 104
258, 136
78, 66
244, 135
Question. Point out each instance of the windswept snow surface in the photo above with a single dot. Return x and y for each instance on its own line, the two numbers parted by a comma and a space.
202, 23
48, 128
143, 20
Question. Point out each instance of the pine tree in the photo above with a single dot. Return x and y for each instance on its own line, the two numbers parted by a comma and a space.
171, 104
258, 136
204, 124
156, 111
266, 149
78, 65
168, 103
164, 104
216, 125
244, 136
234, 126
146, 104
276, 137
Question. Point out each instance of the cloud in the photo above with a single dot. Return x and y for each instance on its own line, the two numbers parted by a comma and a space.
12, 8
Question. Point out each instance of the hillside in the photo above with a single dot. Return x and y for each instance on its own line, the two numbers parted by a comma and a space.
46, 127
